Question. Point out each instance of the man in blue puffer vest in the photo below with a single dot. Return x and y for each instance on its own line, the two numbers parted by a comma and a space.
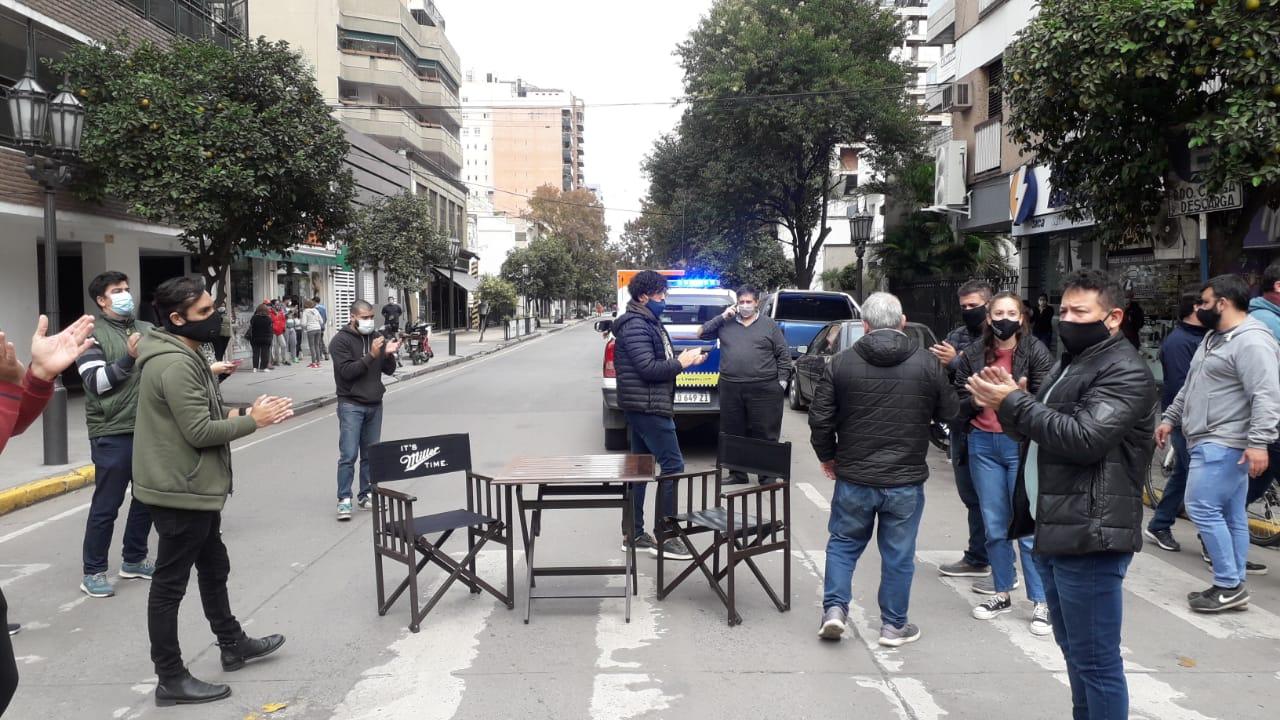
647, 367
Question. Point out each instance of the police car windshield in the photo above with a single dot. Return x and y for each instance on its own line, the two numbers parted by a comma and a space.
692, 309
814, 308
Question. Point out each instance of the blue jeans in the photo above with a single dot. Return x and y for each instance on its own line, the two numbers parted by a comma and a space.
113, 471
993, 463
855, 510
1216, 488
655, 435
1086, 605
976, 552
1175, 487
359, 426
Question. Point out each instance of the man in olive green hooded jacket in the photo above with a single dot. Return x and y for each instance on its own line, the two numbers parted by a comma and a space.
182, 471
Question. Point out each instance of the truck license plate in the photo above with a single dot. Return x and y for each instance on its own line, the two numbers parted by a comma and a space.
693, 398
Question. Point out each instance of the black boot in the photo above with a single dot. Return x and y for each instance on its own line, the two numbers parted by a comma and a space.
186, 690
235, 656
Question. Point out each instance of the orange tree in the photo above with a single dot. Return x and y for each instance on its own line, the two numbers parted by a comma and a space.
1110, 92
234, 147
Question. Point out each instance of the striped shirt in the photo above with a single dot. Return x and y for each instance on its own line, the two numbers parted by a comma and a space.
99, 376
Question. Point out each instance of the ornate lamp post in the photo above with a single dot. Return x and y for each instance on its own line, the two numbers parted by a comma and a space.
859, 234
455, 248
49, 130
524, 275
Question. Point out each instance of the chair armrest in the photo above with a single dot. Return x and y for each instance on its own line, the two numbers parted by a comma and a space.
685, 476
395, 494
478, 476
757, 490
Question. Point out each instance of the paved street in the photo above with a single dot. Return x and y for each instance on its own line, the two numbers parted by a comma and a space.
297, 571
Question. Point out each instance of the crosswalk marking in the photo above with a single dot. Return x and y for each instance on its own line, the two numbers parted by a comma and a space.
621, 695
1166, 587
814, 496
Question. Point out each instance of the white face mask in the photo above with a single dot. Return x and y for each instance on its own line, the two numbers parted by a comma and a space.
365, 327
746, 311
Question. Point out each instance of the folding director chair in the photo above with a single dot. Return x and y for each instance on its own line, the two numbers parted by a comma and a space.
400, 536
744, 523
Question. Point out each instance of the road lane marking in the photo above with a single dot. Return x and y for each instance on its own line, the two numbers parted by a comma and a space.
22, 570
622, 695
1166, 587
39, 524
814, 496
1148, 697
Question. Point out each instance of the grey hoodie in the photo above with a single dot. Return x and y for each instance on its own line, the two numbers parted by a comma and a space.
1232, 393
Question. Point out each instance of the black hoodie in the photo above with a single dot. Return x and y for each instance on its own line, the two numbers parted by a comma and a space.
356, 372
872, 408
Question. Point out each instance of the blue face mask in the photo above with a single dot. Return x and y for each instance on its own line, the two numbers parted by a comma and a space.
656, 307
122, 304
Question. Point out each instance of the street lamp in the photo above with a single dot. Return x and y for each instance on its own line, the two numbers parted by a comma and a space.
859, 234
50, 132
455, 248
524, 276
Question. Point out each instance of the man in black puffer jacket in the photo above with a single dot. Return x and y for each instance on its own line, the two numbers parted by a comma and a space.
1088, 434
870, 429
647, 367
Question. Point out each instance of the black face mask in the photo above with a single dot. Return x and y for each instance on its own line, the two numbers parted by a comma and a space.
1209, 318
1078, 337
1005, 328
973, 318
203, 331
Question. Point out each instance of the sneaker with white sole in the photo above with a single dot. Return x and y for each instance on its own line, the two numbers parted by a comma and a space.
673, 549
344, 509
993, 608
1040, 625
964, 568
365, 503
987, 586
891, 636
1163, 539
97, 586
137, 571
1217, 599
834, 622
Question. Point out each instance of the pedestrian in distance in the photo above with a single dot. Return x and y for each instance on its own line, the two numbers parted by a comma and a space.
755, 366
1228, 410
995, 458
360, 359
313, 324
324, 326
647, 366
24, 392
391, 313
279, 323
183, 473
221, 342
1042, 322
1134, 319
973, 297
292, 327
869, 423
261, 335
1176, 353
111, 405
1087, 442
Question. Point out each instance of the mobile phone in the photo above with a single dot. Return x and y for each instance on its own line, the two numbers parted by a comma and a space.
237, 362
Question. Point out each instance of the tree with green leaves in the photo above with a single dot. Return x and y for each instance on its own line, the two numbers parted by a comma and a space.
1110, 94
551, 274
780, 86
234, 146
576, 219
499, 294
399, 234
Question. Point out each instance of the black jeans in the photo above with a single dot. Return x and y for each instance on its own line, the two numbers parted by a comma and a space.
113, 471
220, 344
187, 538
752, 410
8, 666
261, 357
976, 552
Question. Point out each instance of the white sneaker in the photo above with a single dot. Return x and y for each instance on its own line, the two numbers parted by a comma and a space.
344, 509
1040, 625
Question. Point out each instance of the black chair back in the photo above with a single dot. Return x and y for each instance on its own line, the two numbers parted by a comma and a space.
760, 457
420, 457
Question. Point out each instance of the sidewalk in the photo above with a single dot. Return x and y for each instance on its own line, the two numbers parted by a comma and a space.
309, 388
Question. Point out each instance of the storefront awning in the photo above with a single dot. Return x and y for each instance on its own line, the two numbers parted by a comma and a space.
303, 257
461, 279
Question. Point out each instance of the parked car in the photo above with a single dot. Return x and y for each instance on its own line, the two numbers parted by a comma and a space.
802, 313
836, 337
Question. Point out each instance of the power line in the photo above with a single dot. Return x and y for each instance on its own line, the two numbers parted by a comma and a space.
574, 204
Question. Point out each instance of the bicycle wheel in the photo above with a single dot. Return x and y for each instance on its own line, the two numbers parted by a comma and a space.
1264, 517
1158, 470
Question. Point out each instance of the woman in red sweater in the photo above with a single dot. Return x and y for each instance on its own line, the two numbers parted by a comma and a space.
23, 395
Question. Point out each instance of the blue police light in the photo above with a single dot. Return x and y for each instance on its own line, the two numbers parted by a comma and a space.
699, 283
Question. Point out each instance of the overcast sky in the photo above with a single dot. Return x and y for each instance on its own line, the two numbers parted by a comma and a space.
604, 51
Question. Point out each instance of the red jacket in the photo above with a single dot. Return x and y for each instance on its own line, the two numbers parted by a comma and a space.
278, 321
21, 405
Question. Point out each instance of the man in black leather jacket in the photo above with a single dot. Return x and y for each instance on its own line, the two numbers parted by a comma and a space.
1087, 437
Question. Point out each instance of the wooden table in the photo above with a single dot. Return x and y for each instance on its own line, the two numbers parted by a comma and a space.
576, 482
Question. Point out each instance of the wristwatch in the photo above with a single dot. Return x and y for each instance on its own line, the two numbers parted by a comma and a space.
244, 411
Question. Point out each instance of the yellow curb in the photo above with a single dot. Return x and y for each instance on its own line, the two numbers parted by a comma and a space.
33, 492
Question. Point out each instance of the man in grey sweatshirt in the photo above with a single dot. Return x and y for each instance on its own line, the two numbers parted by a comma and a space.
1228, 410
755, 365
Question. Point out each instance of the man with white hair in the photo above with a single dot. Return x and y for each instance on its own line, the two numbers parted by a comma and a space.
870, 429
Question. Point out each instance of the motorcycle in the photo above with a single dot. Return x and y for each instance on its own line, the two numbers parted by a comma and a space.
417, 342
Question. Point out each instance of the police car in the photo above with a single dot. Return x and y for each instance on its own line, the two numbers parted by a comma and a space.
690, 303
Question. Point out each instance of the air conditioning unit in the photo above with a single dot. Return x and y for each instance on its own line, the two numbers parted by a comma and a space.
949, 173
957, 96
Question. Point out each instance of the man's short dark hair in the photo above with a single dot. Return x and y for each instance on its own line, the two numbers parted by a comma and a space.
1231, 288
980, 287
1109, 291
360, 306
646, 282
1188, 299
175, 295
1270, 277
747, 290
99, 284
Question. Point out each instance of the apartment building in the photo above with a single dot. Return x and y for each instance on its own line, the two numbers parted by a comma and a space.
91, 238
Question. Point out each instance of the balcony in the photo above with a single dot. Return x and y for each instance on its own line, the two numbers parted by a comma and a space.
395, 127
937, 74
942, 22
220, 21
384, 71
987, 144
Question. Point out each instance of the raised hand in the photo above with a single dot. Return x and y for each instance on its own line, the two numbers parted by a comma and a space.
269, 410
11, 369
51, 354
